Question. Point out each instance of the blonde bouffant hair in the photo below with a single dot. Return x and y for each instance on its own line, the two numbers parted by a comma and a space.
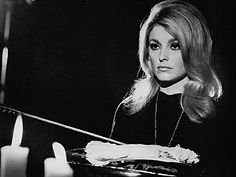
186, 24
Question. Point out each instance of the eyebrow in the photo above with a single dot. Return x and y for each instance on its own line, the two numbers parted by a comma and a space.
169, 41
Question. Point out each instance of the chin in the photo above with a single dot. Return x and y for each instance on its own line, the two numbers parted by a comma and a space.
167, 77
164, 78
166, 81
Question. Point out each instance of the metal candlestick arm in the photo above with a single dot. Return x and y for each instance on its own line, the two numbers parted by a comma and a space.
7, 109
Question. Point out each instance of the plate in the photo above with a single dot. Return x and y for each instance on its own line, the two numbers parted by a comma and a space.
130, 167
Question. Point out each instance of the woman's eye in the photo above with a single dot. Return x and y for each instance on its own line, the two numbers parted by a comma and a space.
154, 46
175, 46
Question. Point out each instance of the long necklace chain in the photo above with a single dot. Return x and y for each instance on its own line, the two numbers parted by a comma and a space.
155, 123
155, 118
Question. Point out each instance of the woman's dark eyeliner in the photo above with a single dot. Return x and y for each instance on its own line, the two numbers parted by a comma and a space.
154, 45
175, 45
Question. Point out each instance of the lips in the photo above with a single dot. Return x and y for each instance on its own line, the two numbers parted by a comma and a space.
163, 68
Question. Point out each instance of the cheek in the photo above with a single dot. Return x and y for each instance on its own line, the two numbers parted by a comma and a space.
179, 64
154, 58
153, 63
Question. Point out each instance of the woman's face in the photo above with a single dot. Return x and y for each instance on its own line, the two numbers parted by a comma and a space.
165, 55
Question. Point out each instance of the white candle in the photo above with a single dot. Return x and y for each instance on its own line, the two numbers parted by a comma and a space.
58, 166
14, 157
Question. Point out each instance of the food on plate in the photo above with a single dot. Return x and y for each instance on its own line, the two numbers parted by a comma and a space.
102, 153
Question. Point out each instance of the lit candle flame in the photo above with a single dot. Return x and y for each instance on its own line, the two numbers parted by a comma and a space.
17, 132
59, 152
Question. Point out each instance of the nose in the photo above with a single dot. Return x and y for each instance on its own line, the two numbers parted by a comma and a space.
163, 55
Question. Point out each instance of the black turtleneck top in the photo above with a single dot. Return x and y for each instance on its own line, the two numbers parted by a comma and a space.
140, 127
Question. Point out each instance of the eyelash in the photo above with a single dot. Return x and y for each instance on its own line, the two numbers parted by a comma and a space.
154, 46
173, 46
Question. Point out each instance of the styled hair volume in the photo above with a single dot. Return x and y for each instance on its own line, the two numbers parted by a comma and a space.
186, 24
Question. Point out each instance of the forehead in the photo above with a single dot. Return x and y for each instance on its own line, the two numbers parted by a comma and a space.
159, 33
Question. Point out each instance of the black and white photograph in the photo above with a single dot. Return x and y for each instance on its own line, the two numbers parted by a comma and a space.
117, 88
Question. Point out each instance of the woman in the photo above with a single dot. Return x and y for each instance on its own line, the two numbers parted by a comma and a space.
174, 99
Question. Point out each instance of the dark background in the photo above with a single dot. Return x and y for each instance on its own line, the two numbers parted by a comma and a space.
73, 61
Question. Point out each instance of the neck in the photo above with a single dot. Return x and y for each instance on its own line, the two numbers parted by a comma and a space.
177, 87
